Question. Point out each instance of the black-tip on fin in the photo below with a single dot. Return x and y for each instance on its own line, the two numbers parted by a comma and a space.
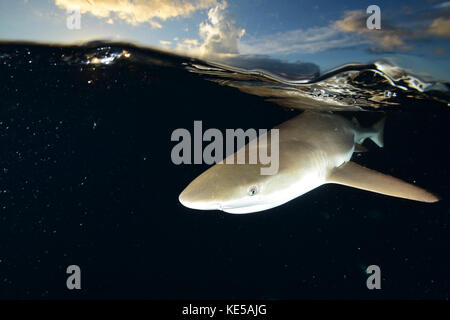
356, 176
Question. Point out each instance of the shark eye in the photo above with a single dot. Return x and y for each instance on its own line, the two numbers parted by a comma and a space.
252, 190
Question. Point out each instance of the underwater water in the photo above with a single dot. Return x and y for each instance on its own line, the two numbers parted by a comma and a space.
86, 178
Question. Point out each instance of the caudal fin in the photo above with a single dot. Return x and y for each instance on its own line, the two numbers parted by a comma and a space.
378, 136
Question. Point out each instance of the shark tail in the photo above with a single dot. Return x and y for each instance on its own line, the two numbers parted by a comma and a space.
378, 135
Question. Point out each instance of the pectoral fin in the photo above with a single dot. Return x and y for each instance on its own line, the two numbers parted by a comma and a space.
356, 176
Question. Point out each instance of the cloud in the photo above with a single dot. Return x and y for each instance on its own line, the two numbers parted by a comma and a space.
191, 42
135, 12
309, 40
439, 51
350, 31
220, 35
440, 27
388, 38
189, 46
443, 5
396, 38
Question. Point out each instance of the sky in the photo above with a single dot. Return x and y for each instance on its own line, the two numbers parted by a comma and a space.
413, 34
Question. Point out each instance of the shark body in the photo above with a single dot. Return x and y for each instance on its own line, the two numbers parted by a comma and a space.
314, 149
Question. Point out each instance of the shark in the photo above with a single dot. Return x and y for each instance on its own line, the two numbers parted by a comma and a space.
314, 149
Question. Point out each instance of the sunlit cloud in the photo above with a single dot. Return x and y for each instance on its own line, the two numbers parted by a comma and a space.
136, 12
388, 38
220, 34
395, 38
440, 27
189, 46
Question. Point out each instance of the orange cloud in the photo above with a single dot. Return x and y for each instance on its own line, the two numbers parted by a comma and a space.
439, 51
440, 27
386, 38
137, 11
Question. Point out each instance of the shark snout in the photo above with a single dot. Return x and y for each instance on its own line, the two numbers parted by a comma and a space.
188, 199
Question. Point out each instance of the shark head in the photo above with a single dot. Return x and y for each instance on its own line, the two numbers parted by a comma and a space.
241, 188
238, 188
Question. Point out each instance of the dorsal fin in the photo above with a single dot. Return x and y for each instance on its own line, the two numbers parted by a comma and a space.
356, 176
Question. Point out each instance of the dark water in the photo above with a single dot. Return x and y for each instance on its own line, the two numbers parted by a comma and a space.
86, 178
